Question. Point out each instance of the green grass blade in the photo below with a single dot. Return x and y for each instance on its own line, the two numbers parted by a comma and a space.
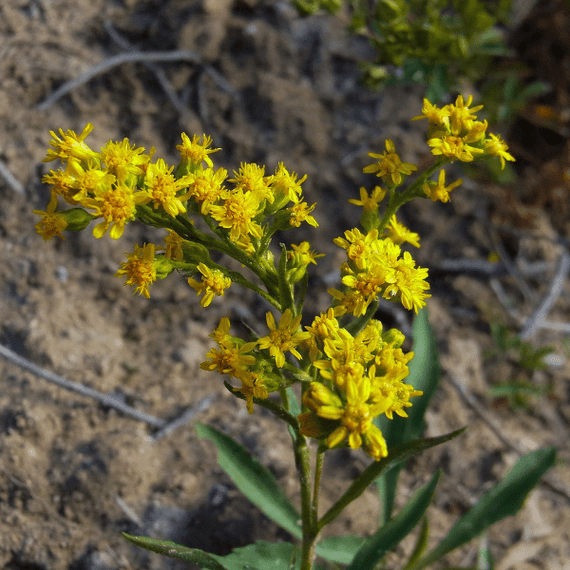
341, 549
392, 533
256, 482
503, 500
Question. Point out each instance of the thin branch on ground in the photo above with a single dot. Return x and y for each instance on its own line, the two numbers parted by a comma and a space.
505, 301
114, 61
539, 315
105, 399
480, 411
488, 268
10, 179
123, 43
183, 418
511, 267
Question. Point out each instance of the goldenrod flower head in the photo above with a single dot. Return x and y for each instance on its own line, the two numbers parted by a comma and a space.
461, 117
359, 247
284, 184
195, 152
231, 359
283, 337
251, 178
369, 202
214, 283
89, 181
252, 386
300, 212
435, 115
495, 146
117, 207
172, 246
52, 222
71, 145
408, 282
439, 191
302, 254
161, 188
398, 233
62, 183
237, 213
389, 166
139, 269
122, 159
453, 147
206, 187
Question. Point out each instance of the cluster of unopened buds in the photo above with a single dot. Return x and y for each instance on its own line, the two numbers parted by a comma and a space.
350, 369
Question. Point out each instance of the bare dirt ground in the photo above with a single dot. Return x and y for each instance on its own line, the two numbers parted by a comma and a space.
268, 86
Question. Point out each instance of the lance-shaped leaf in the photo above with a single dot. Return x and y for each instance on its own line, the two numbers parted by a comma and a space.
395, 456
392, 533
502, 500
259, 556
256, 482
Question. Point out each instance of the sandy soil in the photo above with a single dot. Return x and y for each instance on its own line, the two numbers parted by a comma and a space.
268, 86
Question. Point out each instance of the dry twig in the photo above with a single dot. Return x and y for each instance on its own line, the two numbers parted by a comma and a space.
537, 319
10, 180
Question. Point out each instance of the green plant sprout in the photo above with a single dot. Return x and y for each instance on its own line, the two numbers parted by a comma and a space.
357, 384
510, 347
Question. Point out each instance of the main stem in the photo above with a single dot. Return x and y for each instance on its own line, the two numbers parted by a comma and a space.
308, 517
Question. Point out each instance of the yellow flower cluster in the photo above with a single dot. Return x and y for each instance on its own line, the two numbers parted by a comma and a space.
376, 267
351, 370
455, 133
111, 185
360, 379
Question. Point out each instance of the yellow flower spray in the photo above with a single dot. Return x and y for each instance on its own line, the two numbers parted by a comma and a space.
350, 370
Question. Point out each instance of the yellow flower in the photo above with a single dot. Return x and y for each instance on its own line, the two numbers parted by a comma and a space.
206, 187
195, 152
62, 183
435, 115
302, 254
439, 191
284, 184
300, 212
495, 146
71, 145
252, 386
369, 203
173, 246
389, 166
283, 338
398, 233
408, 281
251, 178
161, 188
453, 147
461, 117
231, 358
139, 269
237, 214
52, 222
213, 283
117, 206
122, 159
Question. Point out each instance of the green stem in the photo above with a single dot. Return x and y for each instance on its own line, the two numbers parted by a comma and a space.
317, 484
310, 530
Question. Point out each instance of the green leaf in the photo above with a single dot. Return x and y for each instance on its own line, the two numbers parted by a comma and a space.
259, 556
503, 500
424, 375
421, 544
341, 549
396, 455
256, 482
392, 533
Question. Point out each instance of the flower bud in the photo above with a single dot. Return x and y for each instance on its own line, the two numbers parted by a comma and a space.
77, 219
